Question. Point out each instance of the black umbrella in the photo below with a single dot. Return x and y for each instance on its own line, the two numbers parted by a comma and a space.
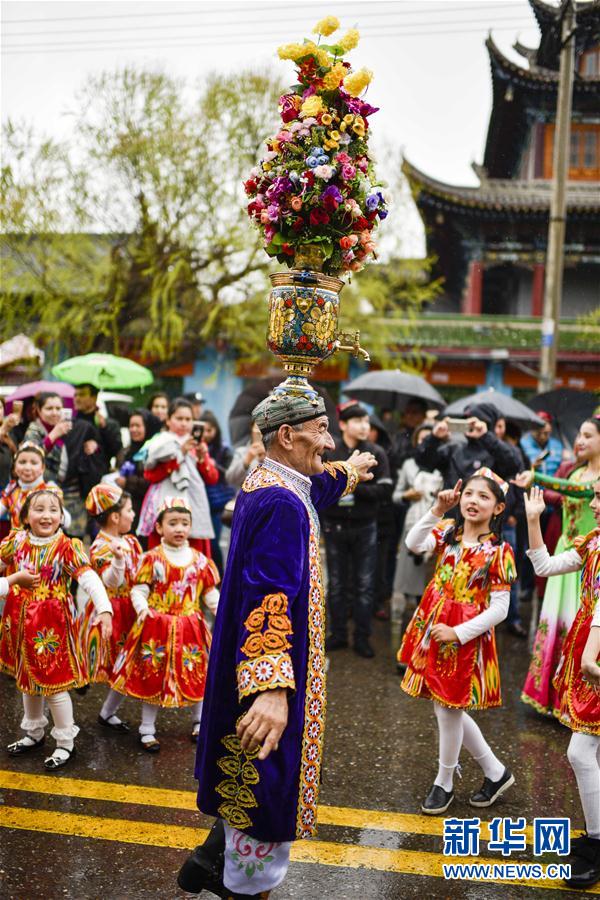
392, 389
568, 407
506, 406
240, 417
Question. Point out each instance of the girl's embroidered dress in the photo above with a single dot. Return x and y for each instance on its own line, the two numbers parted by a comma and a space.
39, 636
561, 597
102, 655
457, 675
577, 703
165, 657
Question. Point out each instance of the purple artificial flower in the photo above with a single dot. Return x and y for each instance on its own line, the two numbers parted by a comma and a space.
372, 202
333, 192
273, 212
382, 213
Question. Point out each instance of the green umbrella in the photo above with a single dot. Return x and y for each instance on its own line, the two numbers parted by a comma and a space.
103, 370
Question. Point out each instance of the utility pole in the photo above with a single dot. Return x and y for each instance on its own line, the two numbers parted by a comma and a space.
558, 203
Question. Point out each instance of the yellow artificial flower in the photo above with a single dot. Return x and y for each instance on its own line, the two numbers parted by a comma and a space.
343, 126
312, 106
291, 51
327, 26
355, 83
359, 130
334, 135
326, 119
348, 118
350, 40
334, 77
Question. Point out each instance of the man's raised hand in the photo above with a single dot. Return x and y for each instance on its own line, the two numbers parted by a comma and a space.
363, 462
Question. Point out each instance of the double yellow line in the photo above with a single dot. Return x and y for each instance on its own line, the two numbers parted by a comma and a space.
327, 853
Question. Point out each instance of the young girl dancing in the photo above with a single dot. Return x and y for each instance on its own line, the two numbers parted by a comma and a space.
115, 556
28, 468
449, 646
577, 678
41, 647
164, 659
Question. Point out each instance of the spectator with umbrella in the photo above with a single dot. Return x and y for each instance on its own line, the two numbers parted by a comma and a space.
48, 431
350, 529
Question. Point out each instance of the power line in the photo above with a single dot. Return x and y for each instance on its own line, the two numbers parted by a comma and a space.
222, 7
271, 34
162, 27
72, 48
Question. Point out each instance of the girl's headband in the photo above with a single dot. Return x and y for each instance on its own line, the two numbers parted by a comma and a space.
30, 447
486, 472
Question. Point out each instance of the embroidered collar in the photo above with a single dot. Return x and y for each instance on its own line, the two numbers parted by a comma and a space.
296, 480
43, 541
30, 485
171, 547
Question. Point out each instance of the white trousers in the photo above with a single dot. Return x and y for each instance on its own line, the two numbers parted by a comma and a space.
61, 708
584, 756
253, 866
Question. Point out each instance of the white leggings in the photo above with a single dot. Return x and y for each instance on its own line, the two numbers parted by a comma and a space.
584, 756
34, 721
150, 712
457, 729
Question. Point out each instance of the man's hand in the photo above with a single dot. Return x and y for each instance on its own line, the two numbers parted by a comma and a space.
254, 451
443, 633
476, 428
104, 620
523, 480
446, 500
441, 431
90, 447
412, 494
265, 722
362, 462
60, 429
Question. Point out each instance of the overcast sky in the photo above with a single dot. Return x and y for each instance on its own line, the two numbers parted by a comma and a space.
432, 76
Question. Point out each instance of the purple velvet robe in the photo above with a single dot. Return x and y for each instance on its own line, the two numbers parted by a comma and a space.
270, 633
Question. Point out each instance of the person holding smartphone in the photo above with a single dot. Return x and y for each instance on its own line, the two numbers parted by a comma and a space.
48, 430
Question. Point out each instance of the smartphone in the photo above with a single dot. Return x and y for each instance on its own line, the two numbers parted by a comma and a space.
542, 456
17, 408
197, 431
66, 414
458, 426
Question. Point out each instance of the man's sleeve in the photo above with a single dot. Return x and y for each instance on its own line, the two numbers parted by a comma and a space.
271, 583
506, 462
338, 479
433, 454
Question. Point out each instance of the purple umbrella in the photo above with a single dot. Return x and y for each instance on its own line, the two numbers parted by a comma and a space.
26, 391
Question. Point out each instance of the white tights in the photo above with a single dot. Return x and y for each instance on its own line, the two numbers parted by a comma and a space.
150, 712
457, 729
584, 756
111, 704
34, 721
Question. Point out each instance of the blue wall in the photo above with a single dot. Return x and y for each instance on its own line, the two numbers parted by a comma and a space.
214, 376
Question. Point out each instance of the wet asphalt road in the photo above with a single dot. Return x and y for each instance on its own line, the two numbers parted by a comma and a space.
92, 831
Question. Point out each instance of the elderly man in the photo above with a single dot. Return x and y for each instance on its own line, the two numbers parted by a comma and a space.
261, 737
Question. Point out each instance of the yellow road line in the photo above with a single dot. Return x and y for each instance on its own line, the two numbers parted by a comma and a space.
340, 816
180, 837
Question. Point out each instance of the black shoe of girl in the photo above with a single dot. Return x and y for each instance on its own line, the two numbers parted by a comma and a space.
121, 727
437, 801
82, 691
152, 746
584, 860
24, 745
54, 762
203, 869
490, 790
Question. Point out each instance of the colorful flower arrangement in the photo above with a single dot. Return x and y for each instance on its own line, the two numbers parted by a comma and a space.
316, 185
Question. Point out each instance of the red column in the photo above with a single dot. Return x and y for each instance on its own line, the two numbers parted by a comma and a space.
472, 296
537, 289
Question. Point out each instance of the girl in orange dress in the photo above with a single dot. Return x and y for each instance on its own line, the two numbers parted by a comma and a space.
115, 555
449, 647
577, 678
28, 467
41, 648
164, 659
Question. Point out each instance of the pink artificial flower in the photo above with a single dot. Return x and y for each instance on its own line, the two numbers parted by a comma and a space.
283, 137
264, 217
270, 232
365, 237
370, 247
348, 172
343, 158
356, 265
273, 212
324, 172
362, 163
296, 203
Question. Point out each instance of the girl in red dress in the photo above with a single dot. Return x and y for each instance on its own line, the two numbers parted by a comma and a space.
28, 467
41, 647
115, 556
577, 678
165, 657
449, 647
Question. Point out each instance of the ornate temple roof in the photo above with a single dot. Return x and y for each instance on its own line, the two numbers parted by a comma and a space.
549, 18
503, 194
536, 75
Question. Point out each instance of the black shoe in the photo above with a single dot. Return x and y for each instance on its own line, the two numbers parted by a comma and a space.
516, 629
334, 643
23, 746
489, 791
152, 746
437, 801
121, 727
82, 691
584, 859
203, 869
363, 648
52, 763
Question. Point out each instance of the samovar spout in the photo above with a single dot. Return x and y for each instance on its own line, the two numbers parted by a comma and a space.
352, 345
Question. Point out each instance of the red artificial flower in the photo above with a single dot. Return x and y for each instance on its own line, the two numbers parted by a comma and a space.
309, 178
287, 249
361, 223
298, 224
289, 106
319, 217
250, 186
330, 203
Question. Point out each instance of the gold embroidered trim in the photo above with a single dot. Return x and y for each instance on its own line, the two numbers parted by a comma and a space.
236, 788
